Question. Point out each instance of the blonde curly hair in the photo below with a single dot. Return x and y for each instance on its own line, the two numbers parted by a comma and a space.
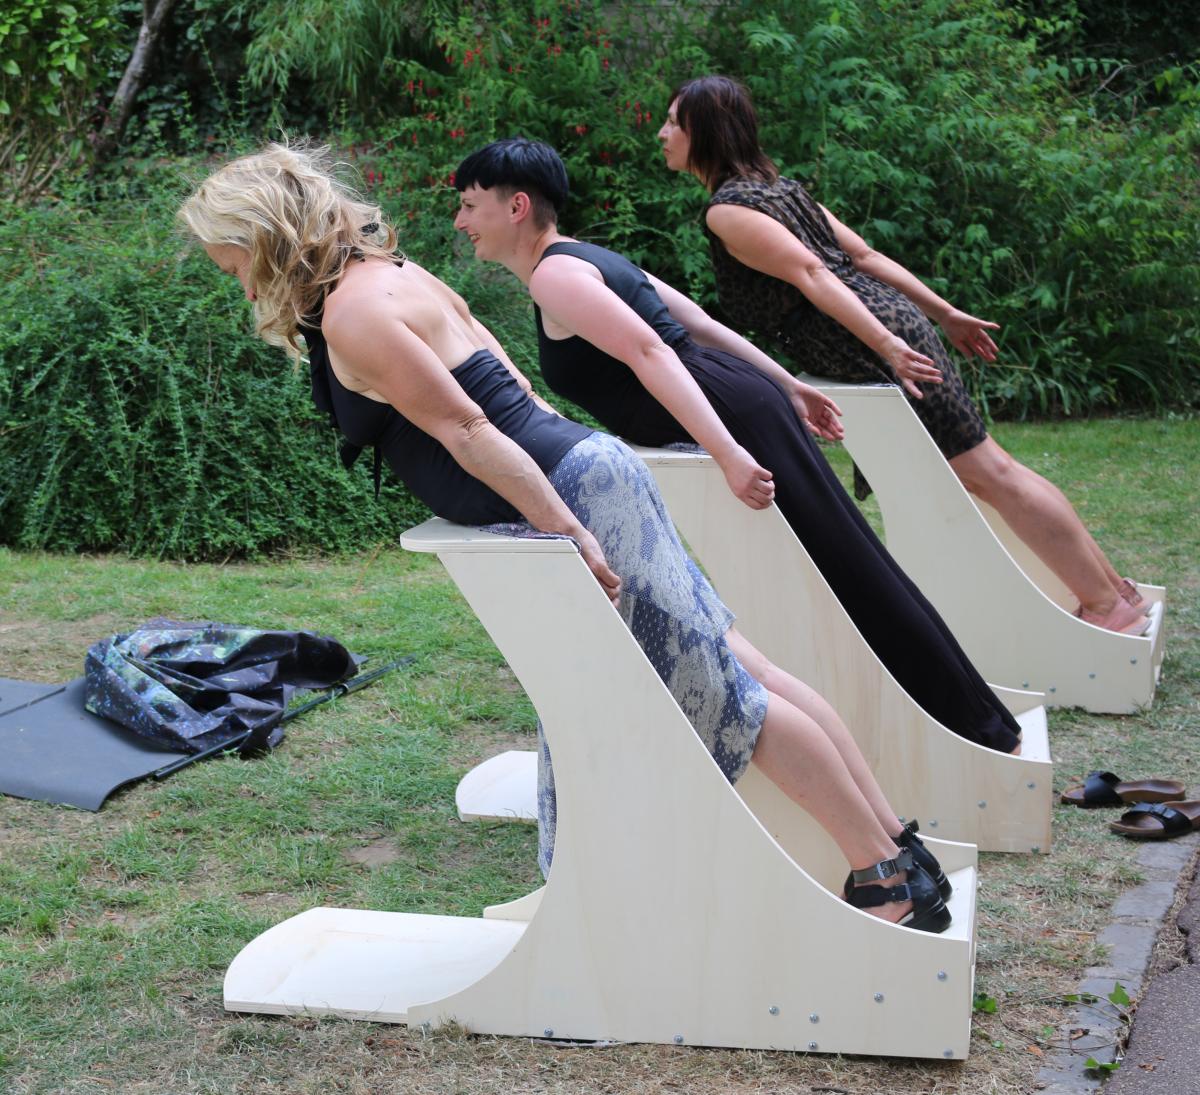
300, 223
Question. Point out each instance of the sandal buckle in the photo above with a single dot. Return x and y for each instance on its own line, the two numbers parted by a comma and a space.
885, 868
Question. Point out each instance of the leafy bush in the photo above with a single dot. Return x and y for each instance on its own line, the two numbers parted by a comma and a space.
940, 130
138, 412
964, 138
52, 56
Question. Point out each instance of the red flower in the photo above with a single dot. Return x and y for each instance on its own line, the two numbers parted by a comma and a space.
581, 129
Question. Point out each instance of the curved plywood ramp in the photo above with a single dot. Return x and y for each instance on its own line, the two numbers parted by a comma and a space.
689, 921
786, 608
1013, 618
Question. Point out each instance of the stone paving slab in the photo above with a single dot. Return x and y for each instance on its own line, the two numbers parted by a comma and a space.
1189, 921
1163, 1055
1166, 1018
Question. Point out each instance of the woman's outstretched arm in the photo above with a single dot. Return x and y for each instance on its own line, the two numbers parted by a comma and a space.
812, 405
966, 333
763, 244
571, 293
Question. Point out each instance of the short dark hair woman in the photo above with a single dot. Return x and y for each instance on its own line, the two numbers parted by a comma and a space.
651, 366
787, 268
404, 366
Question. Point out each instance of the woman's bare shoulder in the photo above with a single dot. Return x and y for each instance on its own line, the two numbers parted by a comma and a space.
374, 286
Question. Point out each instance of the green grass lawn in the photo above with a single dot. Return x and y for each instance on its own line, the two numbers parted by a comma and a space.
116, 927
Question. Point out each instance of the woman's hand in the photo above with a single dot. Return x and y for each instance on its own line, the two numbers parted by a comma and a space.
589, 548
749, 481
969, 335
817, 411
909, 365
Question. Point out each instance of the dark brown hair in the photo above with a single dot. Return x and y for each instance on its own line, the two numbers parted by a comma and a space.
717, 115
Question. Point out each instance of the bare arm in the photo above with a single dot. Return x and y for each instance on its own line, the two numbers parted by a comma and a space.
374, 344
816, 409
966, 333
763, 244
576, 299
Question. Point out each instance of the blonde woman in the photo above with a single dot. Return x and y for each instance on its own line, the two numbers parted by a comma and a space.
401, 364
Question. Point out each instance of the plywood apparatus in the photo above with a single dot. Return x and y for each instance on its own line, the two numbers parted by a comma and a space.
957, 789
1013, 618
692, 921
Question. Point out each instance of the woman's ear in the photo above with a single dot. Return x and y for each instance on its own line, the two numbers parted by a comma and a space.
519, 207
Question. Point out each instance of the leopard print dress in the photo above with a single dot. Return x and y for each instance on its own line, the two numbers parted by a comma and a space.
818, 343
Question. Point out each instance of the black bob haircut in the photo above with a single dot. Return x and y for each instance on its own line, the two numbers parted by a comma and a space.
519, 164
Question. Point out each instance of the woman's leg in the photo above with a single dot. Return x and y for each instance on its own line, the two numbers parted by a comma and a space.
817, 708
806, 751
1040, 514
795, 754
683, 629
1036, 510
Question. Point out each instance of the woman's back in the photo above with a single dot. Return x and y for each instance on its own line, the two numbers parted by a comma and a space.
373, 293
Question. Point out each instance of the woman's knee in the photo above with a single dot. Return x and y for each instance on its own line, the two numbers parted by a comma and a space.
986, 470
753, 660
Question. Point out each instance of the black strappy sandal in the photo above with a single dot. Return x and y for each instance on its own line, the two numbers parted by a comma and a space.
924, 858
929, 912
921, 856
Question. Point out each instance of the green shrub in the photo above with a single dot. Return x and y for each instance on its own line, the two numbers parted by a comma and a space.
952, 142
938, 130
139, 413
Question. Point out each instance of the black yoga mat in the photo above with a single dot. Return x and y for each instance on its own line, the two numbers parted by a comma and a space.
53, 750
14, 694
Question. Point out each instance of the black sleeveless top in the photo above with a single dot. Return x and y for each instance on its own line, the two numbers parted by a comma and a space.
423, 464
606, 388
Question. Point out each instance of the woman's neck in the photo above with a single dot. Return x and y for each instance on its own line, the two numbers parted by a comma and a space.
529, 251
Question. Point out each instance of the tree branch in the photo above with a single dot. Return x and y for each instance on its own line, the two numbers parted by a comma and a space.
121, 107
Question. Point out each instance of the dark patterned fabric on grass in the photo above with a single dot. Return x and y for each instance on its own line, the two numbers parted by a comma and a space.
196, 685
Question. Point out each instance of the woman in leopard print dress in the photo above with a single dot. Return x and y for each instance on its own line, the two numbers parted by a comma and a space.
788, 269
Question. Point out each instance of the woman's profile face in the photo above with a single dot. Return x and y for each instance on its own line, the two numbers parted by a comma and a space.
235, 261
675, 143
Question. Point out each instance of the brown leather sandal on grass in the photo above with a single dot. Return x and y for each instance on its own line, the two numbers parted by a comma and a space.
1105, 789
1158, 820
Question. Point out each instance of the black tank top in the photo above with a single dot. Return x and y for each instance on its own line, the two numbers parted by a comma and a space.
423, 464
603, 386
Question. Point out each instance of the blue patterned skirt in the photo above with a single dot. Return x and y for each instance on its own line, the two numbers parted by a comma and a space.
675, 615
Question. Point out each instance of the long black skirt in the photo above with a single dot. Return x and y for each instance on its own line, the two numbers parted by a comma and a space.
900, 625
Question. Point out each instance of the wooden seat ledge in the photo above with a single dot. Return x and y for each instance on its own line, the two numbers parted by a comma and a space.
444, 537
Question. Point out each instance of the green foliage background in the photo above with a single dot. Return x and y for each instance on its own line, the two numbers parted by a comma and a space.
1038, 166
